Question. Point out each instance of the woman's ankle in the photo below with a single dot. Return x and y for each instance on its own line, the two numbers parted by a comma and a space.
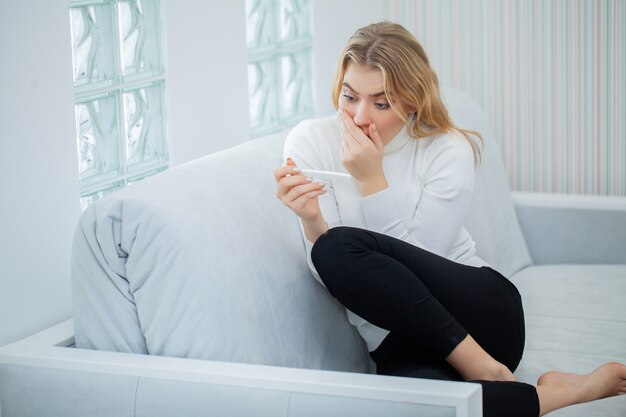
474, 363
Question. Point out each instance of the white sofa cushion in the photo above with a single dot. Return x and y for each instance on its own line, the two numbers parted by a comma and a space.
575, 321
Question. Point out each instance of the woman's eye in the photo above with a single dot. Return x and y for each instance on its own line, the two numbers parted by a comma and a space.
382, 106
347, 97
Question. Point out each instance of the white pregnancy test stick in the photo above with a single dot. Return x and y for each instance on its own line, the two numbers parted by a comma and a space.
325, 175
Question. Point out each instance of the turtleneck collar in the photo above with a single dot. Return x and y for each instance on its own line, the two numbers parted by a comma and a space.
400, 139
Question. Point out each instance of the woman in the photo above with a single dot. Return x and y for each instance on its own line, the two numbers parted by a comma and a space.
406, 270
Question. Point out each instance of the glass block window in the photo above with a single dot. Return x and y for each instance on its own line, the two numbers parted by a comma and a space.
279, 65
119, 82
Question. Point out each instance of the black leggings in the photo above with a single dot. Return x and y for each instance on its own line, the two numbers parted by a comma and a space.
429, 304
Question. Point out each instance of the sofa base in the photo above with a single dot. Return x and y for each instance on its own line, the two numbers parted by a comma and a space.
44, 375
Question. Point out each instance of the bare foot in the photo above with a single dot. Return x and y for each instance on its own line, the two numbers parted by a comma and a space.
560, 389
474, 363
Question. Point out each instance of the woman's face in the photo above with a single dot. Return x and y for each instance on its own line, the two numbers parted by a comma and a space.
363, 98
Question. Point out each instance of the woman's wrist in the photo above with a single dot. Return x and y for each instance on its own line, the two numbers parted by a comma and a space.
314, 228
373, 185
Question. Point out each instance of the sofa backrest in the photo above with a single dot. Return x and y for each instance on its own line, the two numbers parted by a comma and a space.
491, 219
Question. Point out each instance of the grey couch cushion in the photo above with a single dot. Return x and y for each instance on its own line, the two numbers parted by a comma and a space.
491, 218
575, 321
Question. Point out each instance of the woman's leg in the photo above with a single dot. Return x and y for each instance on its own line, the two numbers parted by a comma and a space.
360, 268
427, 298
400, 356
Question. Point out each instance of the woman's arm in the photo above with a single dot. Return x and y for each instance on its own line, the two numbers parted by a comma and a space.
447, 185
307, 148
313, 222
303, 145
313, 229
447, 170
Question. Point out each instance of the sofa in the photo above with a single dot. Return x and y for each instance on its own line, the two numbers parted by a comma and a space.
192, 297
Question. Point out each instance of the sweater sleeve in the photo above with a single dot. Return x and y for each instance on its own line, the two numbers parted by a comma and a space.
447, 181
304, 146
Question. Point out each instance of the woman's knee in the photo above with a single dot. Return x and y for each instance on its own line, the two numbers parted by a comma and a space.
334, 253
328, 247
338, 240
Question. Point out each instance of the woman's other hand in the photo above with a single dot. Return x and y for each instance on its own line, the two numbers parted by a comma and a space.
298, 192
362, 155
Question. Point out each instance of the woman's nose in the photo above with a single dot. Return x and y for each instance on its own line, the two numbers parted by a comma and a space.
361, 117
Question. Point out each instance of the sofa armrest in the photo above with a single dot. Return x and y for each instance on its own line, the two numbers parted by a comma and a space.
562, 228
75, 382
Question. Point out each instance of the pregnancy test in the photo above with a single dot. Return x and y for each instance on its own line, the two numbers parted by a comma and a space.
325, 175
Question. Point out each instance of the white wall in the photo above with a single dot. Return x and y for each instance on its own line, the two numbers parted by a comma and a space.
333, 23
207, 88
39, 202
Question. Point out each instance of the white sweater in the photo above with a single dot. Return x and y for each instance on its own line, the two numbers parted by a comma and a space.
430, 187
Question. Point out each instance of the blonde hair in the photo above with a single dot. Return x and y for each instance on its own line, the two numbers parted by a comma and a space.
407, 76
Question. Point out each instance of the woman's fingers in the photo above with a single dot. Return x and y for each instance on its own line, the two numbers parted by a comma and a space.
355, 143
290, 187
355, 132
283, 171
287, 183
299, 190
375, 136
351, 147
301, 201
296, 191
347, 141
